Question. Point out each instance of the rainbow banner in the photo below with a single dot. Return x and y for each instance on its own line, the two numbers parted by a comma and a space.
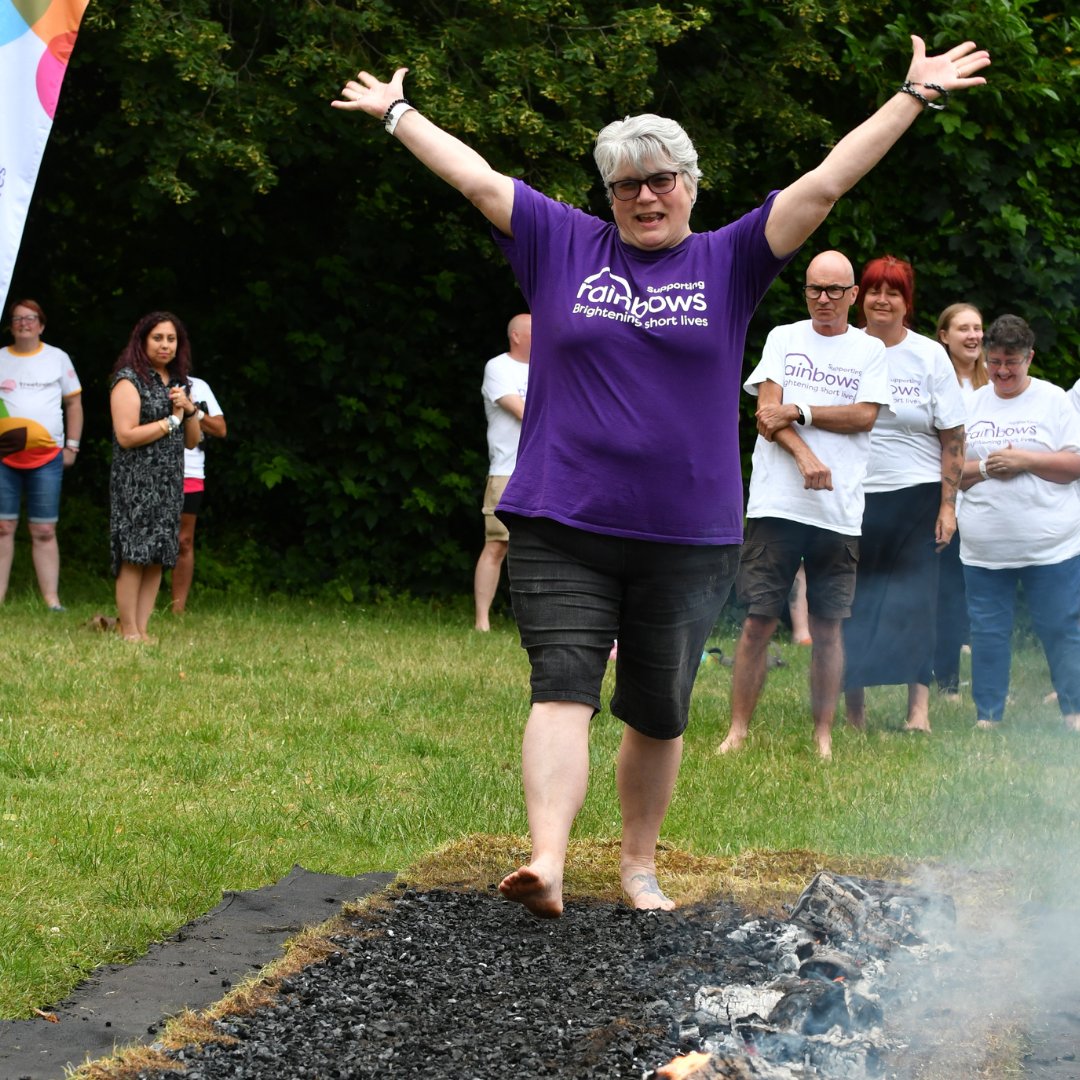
36, 39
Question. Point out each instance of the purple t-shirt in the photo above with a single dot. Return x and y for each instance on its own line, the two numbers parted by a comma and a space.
634, 374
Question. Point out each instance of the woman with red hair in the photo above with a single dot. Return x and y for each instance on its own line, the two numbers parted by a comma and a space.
916, 461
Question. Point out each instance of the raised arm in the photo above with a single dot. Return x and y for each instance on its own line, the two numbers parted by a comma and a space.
800, 208
491, 192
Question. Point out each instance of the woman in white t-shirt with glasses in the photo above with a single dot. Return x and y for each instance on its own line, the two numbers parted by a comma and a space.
1020, 522
41, 421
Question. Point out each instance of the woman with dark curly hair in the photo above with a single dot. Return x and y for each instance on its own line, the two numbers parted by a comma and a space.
153, 420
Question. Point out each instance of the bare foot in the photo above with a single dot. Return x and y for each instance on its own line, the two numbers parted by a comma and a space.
644, 893
137, 638
856, 720
912, 725
986, 725
525, 886
1050, 698
732, 742
1071, 722
823, 742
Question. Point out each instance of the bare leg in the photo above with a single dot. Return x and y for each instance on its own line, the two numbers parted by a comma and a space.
45, 552
800, 616
184, 570
128, 584
645, 777
7, 554
486, 580
918, 708
855, 707
149, 588
555, 770
826, 678
747, 677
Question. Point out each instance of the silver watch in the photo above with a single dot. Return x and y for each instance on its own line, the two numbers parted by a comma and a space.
173, 421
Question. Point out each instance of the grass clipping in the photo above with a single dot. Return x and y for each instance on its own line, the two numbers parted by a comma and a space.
762, 882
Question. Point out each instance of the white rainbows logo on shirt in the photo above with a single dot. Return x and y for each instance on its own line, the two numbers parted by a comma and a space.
608, 296
988, 431
800, 368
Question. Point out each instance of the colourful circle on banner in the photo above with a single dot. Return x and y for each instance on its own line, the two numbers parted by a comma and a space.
47, 18
12, 23
32, 10
51, 71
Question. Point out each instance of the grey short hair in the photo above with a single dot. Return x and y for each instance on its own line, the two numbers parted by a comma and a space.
1010, 334
646, 141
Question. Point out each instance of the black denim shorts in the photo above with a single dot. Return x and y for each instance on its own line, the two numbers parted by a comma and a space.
771, 554
575, 592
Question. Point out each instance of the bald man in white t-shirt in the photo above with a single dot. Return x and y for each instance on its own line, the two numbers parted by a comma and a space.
506, 380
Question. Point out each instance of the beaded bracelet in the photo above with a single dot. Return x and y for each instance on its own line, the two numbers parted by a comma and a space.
394, 113
937, 106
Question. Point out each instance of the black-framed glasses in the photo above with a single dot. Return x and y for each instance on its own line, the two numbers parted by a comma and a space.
24, 318
1012, 363
659, 184
833, 292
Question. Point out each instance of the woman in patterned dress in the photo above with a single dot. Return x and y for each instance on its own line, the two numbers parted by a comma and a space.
153, 420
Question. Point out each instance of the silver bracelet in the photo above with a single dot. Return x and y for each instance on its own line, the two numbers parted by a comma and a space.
982, 469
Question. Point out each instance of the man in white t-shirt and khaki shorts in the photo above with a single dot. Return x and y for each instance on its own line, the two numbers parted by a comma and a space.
506, 380
819, 385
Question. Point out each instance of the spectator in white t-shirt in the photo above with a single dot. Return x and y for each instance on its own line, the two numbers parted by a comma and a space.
506, 380
912, 480
41, 421
211, 422
960, 331
1020, 523
819, 385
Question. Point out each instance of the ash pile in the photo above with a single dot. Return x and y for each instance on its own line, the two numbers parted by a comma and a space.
852, 950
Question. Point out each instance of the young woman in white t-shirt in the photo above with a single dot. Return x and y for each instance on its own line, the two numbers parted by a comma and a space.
960, 331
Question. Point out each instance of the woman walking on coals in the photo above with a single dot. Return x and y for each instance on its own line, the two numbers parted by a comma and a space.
625, 507
153, 420
912, 480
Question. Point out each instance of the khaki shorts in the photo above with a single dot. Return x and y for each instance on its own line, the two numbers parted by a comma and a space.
494, 529
771, 554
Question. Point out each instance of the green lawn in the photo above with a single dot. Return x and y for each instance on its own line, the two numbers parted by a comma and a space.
137, 783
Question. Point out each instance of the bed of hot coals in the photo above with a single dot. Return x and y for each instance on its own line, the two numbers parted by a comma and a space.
443, 983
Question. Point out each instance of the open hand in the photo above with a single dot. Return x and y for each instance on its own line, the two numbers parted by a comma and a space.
953, 70
367, 94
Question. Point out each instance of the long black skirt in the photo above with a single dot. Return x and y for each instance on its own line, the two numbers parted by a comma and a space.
891, 634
